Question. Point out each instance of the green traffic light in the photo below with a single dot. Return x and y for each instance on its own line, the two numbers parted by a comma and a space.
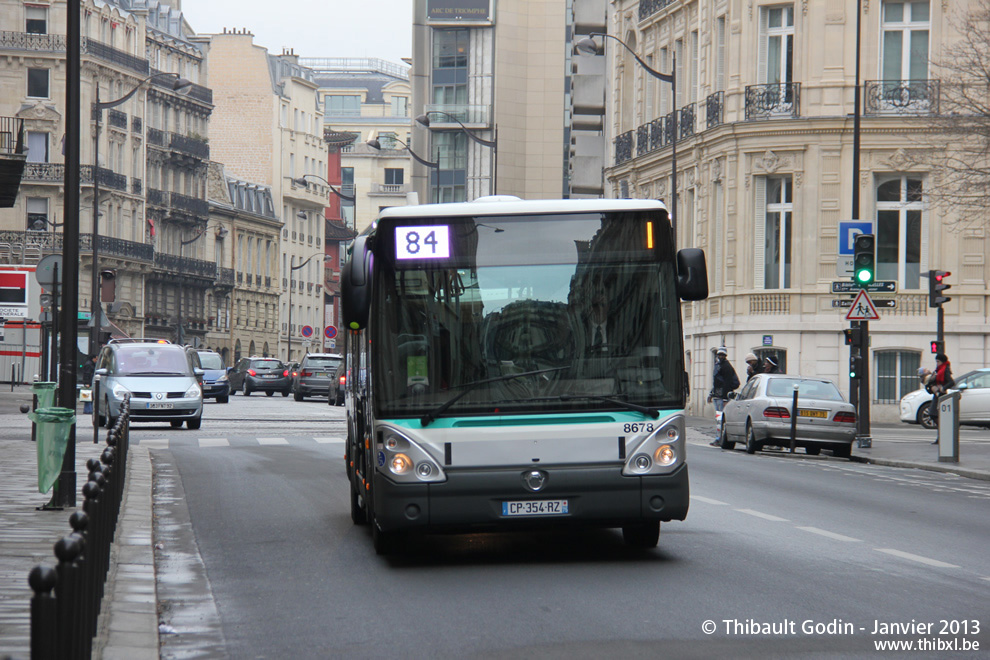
864, 276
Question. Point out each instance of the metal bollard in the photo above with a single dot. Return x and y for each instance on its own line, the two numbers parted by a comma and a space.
794, 414
44, 613
66, 549
95, 395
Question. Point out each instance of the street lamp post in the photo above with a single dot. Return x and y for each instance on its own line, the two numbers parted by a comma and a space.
288, 333
588, 46
180, 84
374, 143
424, 120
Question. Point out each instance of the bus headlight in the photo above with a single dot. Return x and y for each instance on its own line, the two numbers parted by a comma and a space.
660, 452
406, 460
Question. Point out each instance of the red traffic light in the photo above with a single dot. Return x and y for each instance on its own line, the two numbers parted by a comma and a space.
941, 275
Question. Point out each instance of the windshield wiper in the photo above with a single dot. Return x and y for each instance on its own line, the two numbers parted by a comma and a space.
635, 407
426, 419
153, 373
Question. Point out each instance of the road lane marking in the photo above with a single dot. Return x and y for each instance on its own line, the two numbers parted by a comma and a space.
831, 535
272, 441
708, 500
154, 444
917, 558
327, 440
765, 516
214, 442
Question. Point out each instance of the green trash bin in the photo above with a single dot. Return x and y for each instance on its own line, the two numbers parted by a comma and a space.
53, 426
45, 391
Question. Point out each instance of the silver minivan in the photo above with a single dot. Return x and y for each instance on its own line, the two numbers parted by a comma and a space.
161, 380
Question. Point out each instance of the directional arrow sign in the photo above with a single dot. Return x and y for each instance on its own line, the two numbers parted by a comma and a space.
863, 308
880, 286
880, 303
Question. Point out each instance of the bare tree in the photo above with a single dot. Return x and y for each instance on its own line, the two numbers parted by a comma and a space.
959, 142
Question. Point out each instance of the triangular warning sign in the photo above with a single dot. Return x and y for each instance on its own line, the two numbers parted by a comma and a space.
863, 308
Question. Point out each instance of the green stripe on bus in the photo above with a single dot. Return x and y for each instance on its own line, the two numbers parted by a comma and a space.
529, 420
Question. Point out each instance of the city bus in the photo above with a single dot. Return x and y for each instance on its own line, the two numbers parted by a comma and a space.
517, 365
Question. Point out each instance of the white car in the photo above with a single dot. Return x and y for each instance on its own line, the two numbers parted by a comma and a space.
974, 402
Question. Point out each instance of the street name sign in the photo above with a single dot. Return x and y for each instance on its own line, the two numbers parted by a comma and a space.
879, 303
880, 286
863, 308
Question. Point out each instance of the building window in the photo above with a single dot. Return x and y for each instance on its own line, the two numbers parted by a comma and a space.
400, 106
343, 106
905, 41
37, 83
899, 230
36, 20
720, 54
37, 147
897, 374
775, 211
37, 214
393, 176
451, 149
779, 356
776, 63
450, 49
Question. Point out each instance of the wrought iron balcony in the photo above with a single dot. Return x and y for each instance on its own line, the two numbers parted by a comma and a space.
714, 105
623, 147
225, 276
12, 136
157, 197
902, 97
55, 173
194, 91
52, 43
108, 178
117, 247
773, 100
240, 278
186, 266
685, 121
136, 124
649, 7
114, 56
117, 119
189, 204
191, 146
156, 137
136, 186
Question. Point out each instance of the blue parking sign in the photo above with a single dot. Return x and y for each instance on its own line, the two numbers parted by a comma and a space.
848, 231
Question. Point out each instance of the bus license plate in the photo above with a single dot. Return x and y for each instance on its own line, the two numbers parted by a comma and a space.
819, 414
535, 508
161, 406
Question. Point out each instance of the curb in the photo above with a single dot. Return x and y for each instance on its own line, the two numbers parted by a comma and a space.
128, 623
947, 468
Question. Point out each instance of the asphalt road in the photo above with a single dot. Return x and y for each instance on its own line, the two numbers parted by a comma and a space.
779, 557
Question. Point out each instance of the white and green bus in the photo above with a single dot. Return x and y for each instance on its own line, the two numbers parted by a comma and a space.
518, 365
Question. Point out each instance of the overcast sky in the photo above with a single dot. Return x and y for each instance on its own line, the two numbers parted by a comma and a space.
314, 28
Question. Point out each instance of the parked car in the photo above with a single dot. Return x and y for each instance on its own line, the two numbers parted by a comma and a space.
315, 375
339, 381
974, 401
260, 374
161, 379
215, 382
760, 415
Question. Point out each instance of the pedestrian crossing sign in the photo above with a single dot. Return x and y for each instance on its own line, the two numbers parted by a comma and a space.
863, 308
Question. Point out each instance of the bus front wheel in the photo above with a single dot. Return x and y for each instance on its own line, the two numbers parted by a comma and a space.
645, 535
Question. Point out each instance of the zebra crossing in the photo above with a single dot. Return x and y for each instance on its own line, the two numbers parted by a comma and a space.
243, 441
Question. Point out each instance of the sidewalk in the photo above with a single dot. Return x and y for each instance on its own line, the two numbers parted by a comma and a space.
906, 451
128, 626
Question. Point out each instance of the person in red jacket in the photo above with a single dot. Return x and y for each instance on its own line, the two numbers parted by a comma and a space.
938, 384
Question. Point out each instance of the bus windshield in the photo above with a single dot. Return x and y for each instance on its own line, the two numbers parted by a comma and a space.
586, 302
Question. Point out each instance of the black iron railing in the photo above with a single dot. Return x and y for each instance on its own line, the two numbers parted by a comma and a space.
685, 121
28, 41
136, 124
902, 97
157, 197
66, 602
117, 247
773, 100
108, 178
156, 137
46, 172
186, 266
136, 185
117, 119
225, 276
114, 56
12, 135
190, 145
649, 7
714, 105
623, 147
189, 204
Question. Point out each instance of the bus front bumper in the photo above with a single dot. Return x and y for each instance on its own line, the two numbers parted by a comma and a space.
472, 500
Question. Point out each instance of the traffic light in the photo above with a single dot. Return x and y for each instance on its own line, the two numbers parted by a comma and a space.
936, 347
864, 259
855, 366
936, 287
852, 336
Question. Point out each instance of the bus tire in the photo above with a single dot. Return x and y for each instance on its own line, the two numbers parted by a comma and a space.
645, 535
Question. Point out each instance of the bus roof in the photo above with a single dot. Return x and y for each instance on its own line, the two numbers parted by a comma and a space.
507, 204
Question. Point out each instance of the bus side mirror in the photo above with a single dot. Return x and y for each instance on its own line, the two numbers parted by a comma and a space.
692, 274
355, 286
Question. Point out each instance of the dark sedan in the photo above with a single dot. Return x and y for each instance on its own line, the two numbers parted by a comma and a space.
260, 374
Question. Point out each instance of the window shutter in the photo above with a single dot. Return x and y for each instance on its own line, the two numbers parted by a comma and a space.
761, 64
719, 227
759, 232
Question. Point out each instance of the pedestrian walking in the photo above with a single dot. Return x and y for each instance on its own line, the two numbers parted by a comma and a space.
770, 365
724, 380
939, 382
753, 366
